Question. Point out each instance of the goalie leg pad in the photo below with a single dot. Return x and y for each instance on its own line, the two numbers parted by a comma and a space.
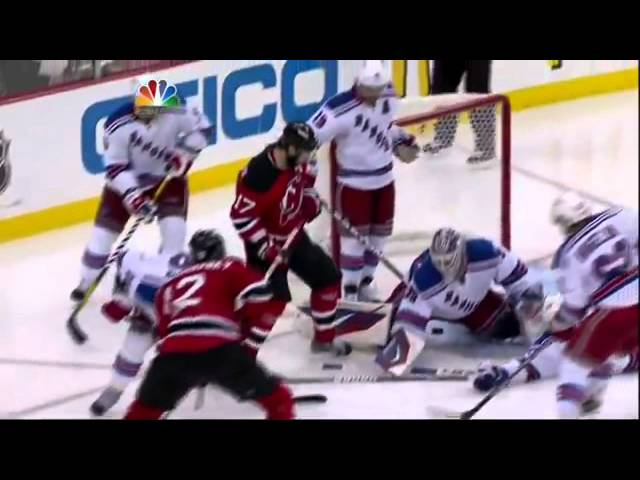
401, 351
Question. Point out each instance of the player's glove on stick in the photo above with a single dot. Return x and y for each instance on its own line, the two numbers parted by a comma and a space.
139, 204
269, 251
179, 165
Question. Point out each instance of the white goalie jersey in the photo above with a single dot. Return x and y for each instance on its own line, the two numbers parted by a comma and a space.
365, 137
136, 153
487, 265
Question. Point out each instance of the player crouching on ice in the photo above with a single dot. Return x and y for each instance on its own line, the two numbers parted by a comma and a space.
451, 282
274, 200
547, 363
595, 325
142, 144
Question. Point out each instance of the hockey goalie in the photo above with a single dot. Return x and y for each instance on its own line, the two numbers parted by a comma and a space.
457, 281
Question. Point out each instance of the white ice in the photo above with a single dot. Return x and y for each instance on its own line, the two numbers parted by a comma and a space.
590, 145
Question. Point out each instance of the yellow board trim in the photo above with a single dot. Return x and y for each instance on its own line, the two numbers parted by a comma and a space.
399, 74
220, 175
84, 210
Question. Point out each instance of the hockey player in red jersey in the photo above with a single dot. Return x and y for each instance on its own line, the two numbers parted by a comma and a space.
274, 198
202, 313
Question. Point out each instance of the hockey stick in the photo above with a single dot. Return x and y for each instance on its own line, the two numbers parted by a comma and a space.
427, 375
525, 360
362, 239
73, 327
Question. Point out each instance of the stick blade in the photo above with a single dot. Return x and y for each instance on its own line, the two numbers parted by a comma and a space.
306, 399
76, 333
443, 412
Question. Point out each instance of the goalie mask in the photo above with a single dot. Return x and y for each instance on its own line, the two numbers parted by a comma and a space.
5, 165
448, 253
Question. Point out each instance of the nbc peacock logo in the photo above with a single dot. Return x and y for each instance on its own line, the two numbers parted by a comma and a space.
157, 94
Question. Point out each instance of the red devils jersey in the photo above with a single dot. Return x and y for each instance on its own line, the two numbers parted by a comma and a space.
208, 305
268, 200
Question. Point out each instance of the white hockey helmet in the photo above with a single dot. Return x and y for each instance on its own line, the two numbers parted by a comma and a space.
373, 75
569, 209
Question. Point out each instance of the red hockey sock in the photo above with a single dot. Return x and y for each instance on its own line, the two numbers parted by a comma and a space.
279, 405
323, 310
138, 411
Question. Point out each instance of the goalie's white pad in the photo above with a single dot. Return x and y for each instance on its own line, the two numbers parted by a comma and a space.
401, 351
362, 324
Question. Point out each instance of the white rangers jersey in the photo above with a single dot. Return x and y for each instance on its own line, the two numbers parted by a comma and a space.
365, 137
141, 275
598, 265
136, 153
433, 298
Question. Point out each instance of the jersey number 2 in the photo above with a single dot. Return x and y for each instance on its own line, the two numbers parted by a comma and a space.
193, 283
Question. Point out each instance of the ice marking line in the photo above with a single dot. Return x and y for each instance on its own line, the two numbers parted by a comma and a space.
52, 403
51, 363
563, 186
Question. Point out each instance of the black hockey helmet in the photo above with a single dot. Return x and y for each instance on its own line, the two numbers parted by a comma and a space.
207, 246
299, 135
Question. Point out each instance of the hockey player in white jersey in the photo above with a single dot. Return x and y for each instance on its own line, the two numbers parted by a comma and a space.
547, 363
138, 278
597, 270
142, 145
453, 282
360, 122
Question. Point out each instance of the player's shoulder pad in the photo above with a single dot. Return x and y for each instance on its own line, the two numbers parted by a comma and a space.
121, 116
343, 102
481, 250
260, 174
425, 275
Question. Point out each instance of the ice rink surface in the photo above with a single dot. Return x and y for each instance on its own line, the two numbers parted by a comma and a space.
590, 145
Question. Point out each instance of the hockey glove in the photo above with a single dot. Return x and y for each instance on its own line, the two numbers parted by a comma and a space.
179, 165
139, 204
489, 376
407, 150
115, 310
269, 251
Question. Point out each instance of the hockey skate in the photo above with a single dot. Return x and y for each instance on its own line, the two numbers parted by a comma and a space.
336, 348
591, 405
77, 294
350, 293
435, 147
480, 157
368, 291
107, 399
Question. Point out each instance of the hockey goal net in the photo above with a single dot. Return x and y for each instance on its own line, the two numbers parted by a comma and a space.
442, 187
